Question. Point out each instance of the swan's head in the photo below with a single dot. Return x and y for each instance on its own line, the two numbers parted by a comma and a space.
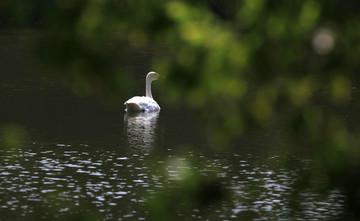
152, 76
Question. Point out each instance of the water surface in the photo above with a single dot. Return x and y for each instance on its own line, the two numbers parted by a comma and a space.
85, 158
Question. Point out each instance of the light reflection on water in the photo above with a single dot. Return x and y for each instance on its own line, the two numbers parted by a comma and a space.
140, 129
65, 180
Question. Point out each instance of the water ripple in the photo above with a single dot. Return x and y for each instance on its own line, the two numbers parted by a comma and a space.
65, 180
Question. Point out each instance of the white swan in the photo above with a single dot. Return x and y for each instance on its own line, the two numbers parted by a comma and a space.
147, 103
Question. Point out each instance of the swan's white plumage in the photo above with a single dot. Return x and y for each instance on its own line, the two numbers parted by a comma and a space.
141, 104
144, 103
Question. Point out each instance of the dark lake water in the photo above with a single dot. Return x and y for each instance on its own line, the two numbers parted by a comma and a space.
85, 158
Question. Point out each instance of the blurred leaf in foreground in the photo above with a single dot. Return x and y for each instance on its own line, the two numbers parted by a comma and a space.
13, 136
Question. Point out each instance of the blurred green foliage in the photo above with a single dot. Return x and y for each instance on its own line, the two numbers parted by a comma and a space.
12, 136
242, 65
187, 189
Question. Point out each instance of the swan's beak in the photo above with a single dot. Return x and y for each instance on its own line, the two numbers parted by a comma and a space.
157, 75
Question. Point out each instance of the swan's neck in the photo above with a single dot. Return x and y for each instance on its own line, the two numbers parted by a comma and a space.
148, 88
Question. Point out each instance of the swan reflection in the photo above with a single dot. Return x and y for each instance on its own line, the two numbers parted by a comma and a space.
140, 129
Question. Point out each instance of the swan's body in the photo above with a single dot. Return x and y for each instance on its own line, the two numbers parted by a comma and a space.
144, 103
141, 104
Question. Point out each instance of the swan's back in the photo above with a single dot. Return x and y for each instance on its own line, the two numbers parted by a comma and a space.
141, 104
